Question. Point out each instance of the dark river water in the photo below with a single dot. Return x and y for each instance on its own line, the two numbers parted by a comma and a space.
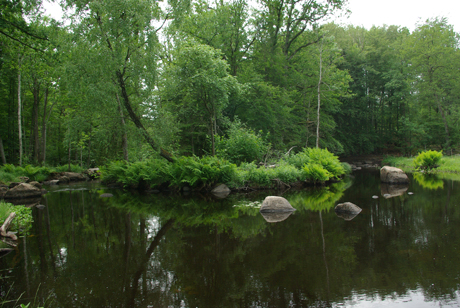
172, 250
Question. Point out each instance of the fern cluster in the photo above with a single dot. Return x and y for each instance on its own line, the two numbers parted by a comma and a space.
311, 165
428, 160
10, 173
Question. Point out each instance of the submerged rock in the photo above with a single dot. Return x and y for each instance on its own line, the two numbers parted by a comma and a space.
275, 204
347, 210
392, 175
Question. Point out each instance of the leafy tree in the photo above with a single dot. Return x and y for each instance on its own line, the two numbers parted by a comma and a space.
434, 54
200, 82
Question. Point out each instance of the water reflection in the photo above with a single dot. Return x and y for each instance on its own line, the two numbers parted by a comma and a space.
169, 251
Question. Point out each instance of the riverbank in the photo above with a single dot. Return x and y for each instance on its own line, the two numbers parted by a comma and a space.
309, 167
448, 169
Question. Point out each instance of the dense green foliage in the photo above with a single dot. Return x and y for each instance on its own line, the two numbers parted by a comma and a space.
130, 80
428, 160
22, 222
242, 145
315, 166
10, 173
449, 168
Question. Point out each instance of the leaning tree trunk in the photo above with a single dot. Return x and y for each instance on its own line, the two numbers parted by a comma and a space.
137, 120
124, 141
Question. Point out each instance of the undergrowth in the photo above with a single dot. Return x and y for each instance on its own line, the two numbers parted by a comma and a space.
10, 173
22, 222
315, 166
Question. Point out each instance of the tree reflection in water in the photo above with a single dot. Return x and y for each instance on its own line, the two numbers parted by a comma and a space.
85, 251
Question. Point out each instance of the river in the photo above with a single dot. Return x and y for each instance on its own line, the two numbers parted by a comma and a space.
172, 250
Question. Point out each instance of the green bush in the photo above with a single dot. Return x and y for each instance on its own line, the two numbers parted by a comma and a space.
153, 172
242, 145
22, 222
287, 173
428, 160
206, 171
321, 157
315, 173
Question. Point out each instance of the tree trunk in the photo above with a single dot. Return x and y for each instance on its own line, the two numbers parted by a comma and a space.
124, 140
319, 92
44, 124
2, 152
212, 137
136, 119
70, 144
35, 109
446, 127
19, 111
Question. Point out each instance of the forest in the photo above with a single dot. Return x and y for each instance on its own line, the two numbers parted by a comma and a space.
138, 79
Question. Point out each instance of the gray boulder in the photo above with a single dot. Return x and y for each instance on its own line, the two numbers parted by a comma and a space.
23, 190
347, 210
221, 191
106, 195
36, 184
275, 204
393, 175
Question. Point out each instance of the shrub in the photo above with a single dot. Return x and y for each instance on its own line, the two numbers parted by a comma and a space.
315, 173
428, 160
321, 157
23, 220
287, 173
205, 171
242, 145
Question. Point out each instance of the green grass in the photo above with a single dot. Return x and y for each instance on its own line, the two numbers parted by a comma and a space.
448, 169
10, 173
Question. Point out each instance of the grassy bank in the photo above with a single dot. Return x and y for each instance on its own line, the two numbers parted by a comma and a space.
10, 173
314, 166
449, 168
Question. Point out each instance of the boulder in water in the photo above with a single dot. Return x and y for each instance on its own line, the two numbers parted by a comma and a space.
392, 175
275, 204
347, 210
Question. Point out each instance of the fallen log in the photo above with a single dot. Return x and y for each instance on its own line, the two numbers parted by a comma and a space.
6, 225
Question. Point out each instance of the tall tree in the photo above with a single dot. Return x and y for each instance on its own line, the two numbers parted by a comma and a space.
201, 81
123, 33
434, 52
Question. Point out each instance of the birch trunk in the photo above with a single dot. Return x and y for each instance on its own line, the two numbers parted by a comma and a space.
319, 92
19, 110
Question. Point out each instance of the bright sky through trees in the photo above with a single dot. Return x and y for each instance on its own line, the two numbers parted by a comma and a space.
367, 13
406, 13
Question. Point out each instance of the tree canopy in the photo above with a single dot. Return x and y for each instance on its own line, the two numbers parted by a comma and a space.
137, 79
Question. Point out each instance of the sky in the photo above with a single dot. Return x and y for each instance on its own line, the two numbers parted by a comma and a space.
406, 13
366, 13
